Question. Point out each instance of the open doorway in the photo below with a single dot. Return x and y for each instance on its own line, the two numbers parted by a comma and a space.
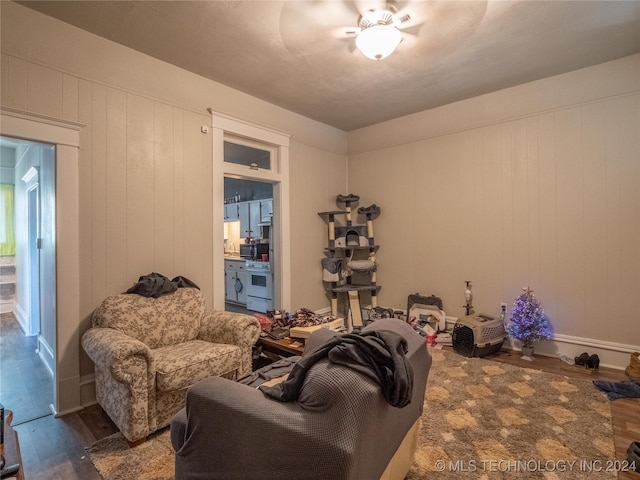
27, 271
246, 151
248, 246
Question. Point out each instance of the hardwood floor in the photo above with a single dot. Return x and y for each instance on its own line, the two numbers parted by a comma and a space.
26, 386
55, 448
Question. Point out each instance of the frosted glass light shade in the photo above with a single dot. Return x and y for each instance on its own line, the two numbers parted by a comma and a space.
379, 41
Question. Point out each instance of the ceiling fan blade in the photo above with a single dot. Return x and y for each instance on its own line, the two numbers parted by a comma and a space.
411, 14
346, 32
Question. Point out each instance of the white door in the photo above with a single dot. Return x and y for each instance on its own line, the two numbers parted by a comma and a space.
33, 257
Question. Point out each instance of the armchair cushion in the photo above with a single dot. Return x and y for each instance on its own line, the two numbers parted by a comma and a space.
156, 322
180, 366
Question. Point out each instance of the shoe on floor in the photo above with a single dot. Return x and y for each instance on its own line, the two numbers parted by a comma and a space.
594, 362
582, 359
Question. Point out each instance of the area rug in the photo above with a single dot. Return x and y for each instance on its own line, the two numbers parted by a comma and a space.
482, 420
489, 420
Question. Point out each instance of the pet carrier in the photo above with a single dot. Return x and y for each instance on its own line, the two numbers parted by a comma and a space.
478, 335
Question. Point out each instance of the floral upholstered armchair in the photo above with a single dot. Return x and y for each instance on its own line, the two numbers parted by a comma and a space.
148, 351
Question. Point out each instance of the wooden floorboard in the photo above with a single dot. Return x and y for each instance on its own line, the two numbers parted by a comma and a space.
26, 385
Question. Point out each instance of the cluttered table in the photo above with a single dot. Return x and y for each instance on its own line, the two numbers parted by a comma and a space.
284, 334
285, 347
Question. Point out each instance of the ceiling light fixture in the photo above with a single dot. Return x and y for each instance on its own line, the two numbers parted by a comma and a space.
378, 37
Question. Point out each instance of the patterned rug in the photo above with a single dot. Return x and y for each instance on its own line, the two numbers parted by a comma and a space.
492, 421
482, 420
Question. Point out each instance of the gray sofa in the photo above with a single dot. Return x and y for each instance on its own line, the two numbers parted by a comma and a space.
339, 427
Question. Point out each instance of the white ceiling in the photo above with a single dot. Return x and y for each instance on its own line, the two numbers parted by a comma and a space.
295, 53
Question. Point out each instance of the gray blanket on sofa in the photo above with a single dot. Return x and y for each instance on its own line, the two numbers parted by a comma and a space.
379, 354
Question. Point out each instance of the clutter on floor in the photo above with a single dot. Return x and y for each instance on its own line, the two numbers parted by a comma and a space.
616, 390
279, 324
425, 315
633, 370
588, 361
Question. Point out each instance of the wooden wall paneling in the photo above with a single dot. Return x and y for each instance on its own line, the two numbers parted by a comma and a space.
508, 224
398, 229
533, 204
517, 211
418, 207
464, 224
178, 191
17, 76
163, 189
99, 199
595, 206
629, 113
547, 192
197, 208
449, 223
116, 187
614, 222
316, 177
436, 175
44, 90
488, 243
571, 226
140, 180
70, 98
207, 191
85, 114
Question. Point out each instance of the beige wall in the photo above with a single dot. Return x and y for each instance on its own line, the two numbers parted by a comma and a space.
319, 179
145, 168
523, 187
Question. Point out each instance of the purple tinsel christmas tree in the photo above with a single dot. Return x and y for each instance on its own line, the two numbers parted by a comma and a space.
528, 321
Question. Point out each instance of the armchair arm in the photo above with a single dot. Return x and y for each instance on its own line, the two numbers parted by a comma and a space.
231, 328
125, 380
111, 348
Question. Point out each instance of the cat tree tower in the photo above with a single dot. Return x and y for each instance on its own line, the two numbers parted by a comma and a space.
350, 263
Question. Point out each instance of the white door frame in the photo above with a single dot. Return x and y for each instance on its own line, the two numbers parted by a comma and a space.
66, 138
278, 175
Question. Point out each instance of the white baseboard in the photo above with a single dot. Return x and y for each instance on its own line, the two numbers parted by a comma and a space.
65, 412
45, 352
612, 355
21, 317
